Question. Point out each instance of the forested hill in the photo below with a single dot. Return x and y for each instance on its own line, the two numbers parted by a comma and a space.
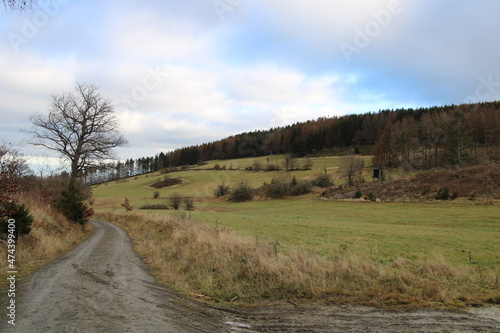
424, 138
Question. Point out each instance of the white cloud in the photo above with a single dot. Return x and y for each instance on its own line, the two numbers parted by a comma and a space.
264, 85
270, 88
216, 103
132, 122
26, 83
321, 20
148, 42
269, 63
32, 76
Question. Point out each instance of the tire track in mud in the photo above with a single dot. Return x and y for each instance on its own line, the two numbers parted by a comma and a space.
103, 286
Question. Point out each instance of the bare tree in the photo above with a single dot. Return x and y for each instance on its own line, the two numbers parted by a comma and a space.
12, 170
18, 4
351, 165
432, 129
459, 142
175, 200
80, 126
308, 163
290, 162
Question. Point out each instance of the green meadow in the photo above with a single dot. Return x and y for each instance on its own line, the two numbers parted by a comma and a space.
460, 232
385, 231
200, 182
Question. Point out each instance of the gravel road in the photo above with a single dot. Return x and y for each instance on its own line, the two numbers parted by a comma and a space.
103, 286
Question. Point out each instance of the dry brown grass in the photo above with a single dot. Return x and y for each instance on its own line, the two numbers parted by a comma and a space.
473, 182
51, 235
226, 266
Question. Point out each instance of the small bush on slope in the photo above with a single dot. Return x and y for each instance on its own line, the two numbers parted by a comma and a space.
51, 235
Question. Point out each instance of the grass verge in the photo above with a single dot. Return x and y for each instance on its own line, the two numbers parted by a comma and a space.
51, 235
226, 266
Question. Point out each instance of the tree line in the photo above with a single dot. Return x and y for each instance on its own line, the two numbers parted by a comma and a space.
451, 136
422, 138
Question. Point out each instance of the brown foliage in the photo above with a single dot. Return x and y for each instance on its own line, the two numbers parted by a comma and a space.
458, 136
126, 205
12, 171
166, 182
469, 182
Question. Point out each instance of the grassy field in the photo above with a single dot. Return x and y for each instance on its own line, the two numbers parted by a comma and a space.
386, 231
202, 181
459, 233
217, 263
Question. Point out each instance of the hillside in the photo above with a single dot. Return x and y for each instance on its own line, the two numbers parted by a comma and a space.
456, 135
430, 247
472, 183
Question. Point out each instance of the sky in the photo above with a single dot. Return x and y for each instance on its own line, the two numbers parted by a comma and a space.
181, 73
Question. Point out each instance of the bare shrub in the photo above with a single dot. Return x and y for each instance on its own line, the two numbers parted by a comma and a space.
189, 203
12, 173
242, 193
302, 187
307, 164
323, 181
221, 190
290, 163
272, 167
175, 200
281, 187
277, 189
351, 166
257, 165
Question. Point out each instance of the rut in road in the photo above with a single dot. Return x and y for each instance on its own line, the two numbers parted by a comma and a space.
103, 286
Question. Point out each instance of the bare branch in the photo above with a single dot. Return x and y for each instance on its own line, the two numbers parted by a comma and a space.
80, 125
351, 165
13, 168
18, 4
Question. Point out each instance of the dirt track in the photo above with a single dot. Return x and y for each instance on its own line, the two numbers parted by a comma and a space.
103, 286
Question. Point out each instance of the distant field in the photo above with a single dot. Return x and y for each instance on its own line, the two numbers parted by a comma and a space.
458, 241
203, 180
380, 254
319, 163
461, 232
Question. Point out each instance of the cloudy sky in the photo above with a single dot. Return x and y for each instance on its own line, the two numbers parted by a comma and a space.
192, 71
